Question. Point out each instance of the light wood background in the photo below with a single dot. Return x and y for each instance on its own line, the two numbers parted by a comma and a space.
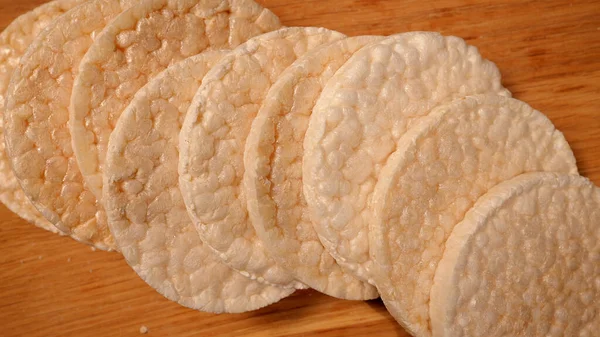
549, 55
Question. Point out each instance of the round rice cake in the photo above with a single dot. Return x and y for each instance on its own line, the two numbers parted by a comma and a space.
523, 262
273, 172
363, 110
439, 170
136, 46
38, 141
14, 41
146, 213
212, 144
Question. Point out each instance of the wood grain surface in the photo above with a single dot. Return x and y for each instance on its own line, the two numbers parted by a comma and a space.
549, 55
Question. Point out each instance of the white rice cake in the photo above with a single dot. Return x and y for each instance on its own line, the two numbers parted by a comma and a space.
38, 141
363, 111
273, 172
136, 46
14, 41
212, 143
440, 168
146, 213
525, 261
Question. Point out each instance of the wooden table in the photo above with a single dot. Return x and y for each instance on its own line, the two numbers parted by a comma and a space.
549, 55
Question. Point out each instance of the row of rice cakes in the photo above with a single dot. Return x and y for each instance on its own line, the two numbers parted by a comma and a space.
232, 161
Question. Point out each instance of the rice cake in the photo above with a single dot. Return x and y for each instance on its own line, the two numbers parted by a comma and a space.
136, 46
439, 170
14, 41
273, 172
146, 213
523, 262
38, 141
363, 110
212, 143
